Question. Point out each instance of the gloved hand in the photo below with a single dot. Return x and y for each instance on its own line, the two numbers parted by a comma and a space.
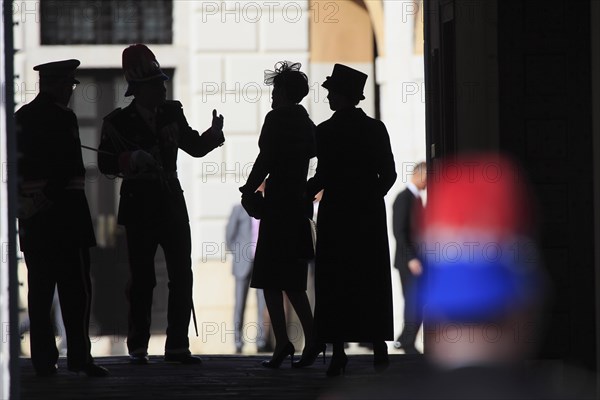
217, 128
31, 205
217, 122
254, 204
142, 161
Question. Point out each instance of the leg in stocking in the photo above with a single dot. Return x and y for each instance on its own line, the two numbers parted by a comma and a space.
283, 346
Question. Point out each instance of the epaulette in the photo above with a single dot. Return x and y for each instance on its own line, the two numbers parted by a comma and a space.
113, 113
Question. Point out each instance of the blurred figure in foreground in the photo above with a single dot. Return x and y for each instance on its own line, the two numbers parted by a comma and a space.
484, 292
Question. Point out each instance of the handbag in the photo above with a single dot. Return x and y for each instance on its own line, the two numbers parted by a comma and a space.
254, 204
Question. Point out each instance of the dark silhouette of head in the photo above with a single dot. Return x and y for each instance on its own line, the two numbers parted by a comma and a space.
57, 79
144, 76
290, 85
346, 86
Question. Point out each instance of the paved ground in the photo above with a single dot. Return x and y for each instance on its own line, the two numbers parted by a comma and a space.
220, 376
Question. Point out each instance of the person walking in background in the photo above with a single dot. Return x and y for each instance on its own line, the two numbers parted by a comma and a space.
241, 235
356, 169
55, 226
407, 211
284, 241
140, 143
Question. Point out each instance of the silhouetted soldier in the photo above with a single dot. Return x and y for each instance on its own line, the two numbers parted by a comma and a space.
140, 143
55, 226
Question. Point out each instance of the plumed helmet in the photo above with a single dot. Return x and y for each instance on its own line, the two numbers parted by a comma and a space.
140, 65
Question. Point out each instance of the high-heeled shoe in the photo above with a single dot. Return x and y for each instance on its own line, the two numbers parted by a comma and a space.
277, 359
337, 365
381, 361
310, 355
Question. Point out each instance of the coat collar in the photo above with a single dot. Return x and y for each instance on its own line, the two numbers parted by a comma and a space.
348, 113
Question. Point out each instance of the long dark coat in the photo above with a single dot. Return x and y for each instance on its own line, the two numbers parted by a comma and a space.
287, 143
50, 161
352, 273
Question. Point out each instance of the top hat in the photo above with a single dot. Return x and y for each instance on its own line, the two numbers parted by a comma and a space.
347, 81
59, 70
140, 65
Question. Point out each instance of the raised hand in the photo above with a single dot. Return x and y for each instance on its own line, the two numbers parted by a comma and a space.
217, 128
217, 122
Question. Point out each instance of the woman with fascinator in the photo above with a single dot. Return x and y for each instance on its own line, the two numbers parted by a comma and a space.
352, 265
284, 243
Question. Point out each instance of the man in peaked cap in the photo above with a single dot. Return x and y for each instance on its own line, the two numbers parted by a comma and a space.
55, 226
140, 143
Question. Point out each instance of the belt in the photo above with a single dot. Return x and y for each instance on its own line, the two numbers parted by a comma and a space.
33, 186
148, 176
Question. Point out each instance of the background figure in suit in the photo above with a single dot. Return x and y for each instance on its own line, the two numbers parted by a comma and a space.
140, 143
241, 235
284, 241
55, 226
407, 212
356, 169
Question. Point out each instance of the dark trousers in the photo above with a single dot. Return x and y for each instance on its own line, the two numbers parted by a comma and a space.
413, 311
69, 271
142, 243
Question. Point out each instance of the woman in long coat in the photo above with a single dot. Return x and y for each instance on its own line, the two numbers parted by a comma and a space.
356, 169
284, 246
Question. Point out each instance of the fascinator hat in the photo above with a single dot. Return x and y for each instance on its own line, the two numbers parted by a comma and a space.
287, 75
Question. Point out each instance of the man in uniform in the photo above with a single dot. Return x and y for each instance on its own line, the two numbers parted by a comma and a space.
140, 143
55, 226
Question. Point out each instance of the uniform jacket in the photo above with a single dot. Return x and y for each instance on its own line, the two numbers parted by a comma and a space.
50, 162
146, 197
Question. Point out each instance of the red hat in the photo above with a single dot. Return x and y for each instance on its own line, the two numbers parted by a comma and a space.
140, 65
477, 242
